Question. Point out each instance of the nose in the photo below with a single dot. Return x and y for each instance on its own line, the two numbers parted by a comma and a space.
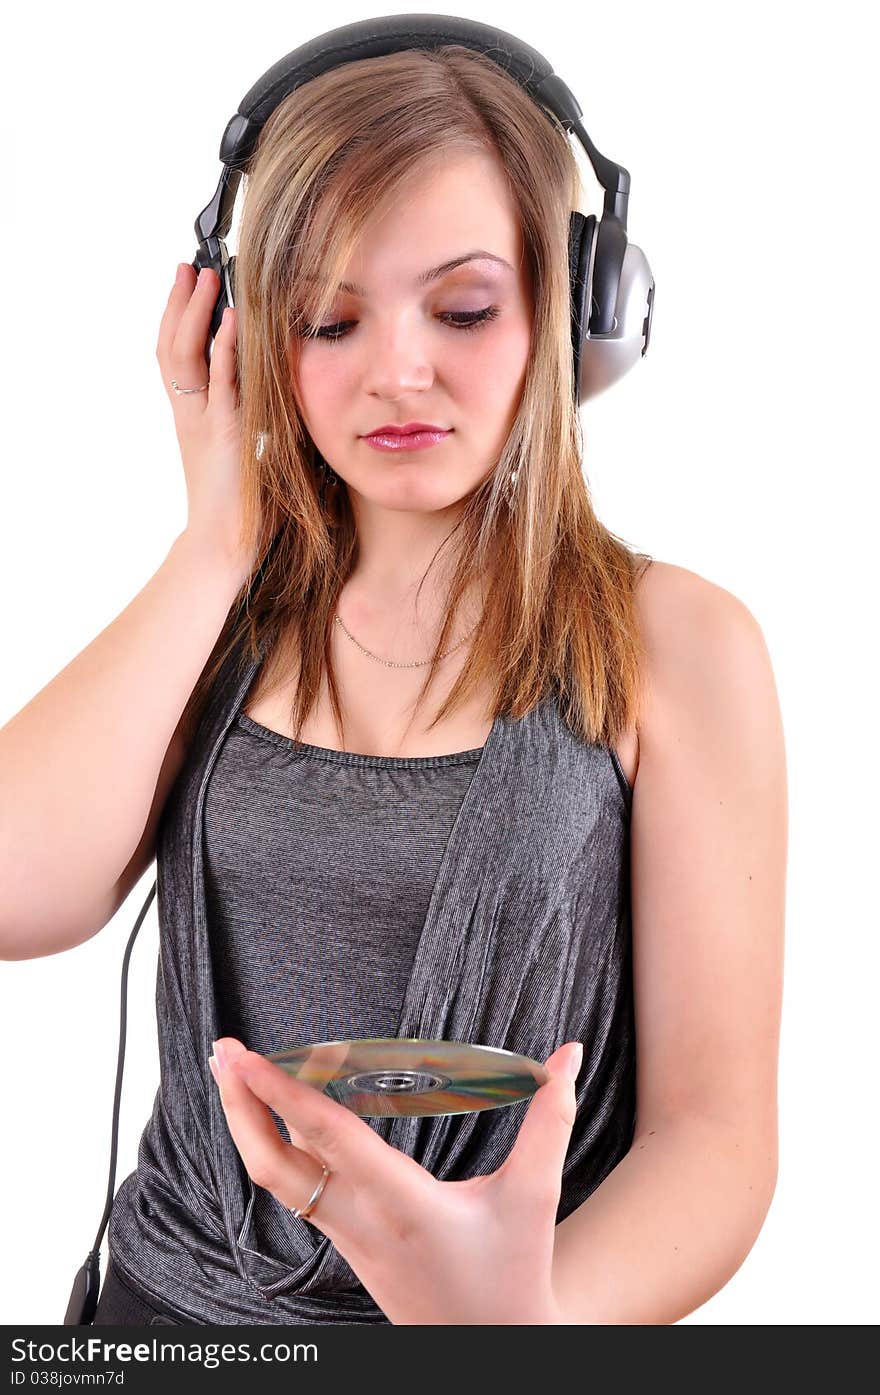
397, 362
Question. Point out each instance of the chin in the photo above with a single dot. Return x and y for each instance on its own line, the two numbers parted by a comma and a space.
412, 496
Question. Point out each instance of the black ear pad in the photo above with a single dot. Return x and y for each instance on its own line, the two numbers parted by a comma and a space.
581, 236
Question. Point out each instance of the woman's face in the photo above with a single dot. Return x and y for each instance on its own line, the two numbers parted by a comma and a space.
390, 351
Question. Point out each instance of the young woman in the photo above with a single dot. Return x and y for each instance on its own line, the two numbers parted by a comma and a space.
458, 764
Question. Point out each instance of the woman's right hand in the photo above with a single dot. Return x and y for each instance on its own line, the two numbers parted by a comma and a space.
208, 424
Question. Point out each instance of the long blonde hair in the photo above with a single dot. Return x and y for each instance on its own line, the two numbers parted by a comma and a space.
559, 587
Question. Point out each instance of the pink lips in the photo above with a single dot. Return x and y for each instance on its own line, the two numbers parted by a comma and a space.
414, 436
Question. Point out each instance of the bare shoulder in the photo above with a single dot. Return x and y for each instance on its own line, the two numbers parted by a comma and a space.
668, 594
699, 638
694, 632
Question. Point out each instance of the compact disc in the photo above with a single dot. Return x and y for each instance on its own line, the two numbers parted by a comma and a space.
380, 1076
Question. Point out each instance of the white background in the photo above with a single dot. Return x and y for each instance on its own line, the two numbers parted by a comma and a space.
742, 447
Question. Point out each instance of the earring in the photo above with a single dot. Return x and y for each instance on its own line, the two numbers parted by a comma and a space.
327, 474
510, 488
328, 480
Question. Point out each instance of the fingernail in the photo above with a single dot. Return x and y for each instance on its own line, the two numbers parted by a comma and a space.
181, 272
219, 1054
214, 1069
574, 1061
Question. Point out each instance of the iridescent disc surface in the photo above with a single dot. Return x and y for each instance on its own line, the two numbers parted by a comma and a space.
380, 1076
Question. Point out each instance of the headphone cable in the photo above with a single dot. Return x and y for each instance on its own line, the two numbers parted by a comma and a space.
86, 1286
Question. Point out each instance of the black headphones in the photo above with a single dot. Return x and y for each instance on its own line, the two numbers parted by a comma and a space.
607, 273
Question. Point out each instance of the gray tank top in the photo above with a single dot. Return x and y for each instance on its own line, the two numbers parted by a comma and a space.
304, 896
319, 867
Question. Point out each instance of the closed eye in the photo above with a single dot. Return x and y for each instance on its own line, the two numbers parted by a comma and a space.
453, 319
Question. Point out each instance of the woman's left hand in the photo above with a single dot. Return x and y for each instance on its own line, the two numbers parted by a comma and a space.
473, 1251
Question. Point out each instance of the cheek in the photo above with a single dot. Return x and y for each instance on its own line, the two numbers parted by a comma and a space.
495, 370
323, 382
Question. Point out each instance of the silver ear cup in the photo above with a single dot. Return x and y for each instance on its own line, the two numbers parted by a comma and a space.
607, 357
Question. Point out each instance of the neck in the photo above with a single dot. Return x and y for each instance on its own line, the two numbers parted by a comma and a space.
395, 549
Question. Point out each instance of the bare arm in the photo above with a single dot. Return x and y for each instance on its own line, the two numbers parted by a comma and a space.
668, 1227
85, 767
677, 1216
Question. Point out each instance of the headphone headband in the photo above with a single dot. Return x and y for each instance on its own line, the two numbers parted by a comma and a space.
373, 38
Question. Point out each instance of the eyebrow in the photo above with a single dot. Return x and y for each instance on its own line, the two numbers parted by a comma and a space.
435, 272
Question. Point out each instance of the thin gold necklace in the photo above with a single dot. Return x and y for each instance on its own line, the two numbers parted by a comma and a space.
389, 663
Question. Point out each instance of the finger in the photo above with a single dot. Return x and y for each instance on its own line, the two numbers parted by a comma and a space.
341, 1139
537, 1158
184, 330
319, 1066
235, 1048
189, 343
179, 298
288, 1173
223, 370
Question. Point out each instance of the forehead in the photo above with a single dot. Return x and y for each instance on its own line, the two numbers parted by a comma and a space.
435, 223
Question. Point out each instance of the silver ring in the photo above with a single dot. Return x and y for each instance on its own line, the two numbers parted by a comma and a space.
302, 1212
179, 390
